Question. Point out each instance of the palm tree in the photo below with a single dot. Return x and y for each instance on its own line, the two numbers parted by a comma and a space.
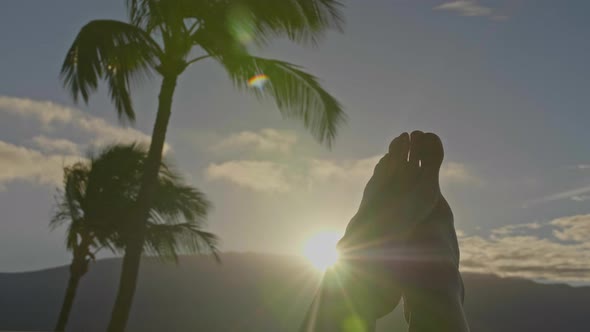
166, 37
97, 199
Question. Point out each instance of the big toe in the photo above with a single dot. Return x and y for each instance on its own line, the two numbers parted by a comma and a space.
430, 151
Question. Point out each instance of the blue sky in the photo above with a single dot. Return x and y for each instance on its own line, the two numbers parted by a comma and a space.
504, 83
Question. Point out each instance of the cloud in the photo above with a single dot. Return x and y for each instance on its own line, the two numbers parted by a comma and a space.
568, 194
284, 177
50, 115
533, 257
18, 163
264, 140
574, 228
457, 173
470, 8
57, 145
301, 171
362, 169
351, 171
42, 160
262, 176
583, 166
580, 198
269, 176
512, 229
45, 111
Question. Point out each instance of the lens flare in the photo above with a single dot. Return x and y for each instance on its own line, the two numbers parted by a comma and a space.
241, 24
258, 81
321, 251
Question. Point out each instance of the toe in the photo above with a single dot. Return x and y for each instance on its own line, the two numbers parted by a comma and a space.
431, 152
415, 144
381, 170
399, 148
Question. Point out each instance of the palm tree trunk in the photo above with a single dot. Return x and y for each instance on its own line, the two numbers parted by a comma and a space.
66, 307
131, 260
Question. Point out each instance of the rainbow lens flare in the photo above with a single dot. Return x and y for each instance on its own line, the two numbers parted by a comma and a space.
258, 81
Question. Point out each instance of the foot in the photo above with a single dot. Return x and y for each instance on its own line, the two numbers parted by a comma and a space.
432, 285
403, 189
388, 181
401, 193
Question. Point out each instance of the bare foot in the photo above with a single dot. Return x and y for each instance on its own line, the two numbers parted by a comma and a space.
403, 190
402, 195
433, 289
391, 177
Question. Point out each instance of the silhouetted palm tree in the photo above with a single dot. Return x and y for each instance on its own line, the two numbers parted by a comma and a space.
98, 198
162, 36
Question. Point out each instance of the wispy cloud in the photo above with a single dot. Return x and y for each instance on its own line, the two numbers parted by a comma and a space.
263, 140
302, 171
568, 194
518, 228
470, 8
261, 176
18, 163
574, 228
51, 115
360, 170
580, 198
453, 172
506, 253
55, 145
355, 171
40, 159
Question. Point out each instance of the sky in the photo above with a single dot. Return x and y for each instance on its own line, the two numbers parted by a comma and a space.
504, 83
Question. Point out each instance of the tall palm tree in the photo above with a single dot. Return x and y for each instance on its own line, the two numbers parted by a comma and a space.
97, 199
166, 37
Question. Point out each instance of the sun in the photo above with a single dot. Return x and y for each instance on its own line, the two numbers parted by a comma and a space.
320, 249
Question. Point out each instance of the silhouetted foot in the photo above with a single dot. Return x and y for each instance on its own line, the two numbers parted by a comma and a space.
400, 196
432, 285
403, 190
394, 161
390, 178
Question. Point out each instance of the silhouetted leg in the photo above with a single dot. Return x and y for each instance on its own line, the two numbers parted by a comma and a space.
433, 288
346, 300
342, 303
435, 300
392, 226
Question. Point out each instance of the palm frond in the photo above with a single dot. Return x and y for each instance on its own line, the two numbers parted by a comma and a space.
150, 14
68, 203
299, 20
100, 195
177, 201
168, 241
297, 94
112, 50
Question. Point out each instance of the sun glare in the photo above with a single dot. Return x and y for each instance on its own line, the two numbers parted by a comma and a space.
320, 249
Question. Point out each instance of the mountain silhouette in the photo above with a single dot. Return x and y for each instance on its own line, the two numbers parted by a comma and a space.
259, 293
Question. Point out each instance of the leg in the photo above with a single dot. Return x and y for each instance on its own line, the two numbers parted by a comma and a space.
432, 285
433, 288
437, 305
342, 303
348, 298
